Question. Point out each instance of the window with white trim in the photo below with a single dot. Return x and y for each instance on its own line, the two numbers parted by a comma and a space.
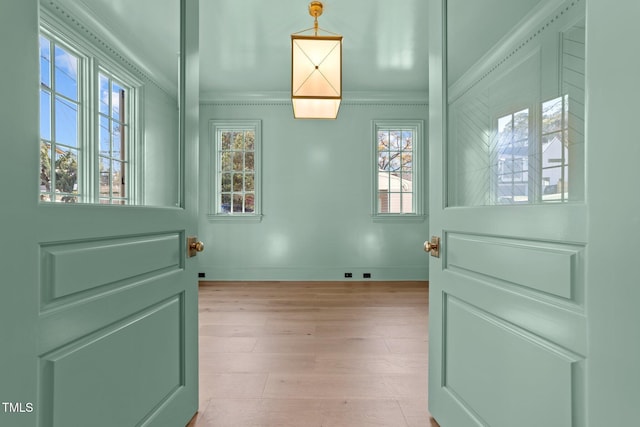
398, 168
86, 134
61, 115
235, 157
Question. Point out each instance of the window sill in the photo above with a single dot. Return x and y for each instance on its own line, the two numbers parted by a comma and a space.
398, 218
235, 218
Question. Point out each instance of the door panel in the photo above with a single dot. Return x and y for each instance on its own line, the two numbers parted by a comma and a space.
98, 303
141, 356
508, 326
499, 372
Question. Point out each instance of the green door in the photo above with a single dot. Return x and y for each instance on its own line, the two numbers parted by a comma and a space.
508, 324
98, 303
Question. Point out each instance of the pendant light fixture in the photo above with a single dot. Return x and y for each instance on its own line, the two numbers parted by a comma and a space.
316, 71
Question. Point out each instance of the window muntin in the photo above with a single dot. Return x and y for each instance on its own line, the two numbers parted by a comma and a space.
61, 105
235, 169
397, 168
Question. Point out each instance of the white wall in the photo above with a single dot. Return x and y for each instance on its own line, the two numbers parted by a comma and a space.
317, 190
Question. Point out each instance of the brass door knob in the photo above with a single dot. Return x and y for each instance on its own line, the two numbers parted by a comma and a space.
197, 246
433, 246
194, 246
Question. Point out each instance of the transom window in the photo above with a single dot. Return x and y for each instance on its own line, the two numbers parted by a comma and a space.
398, 163
236, 158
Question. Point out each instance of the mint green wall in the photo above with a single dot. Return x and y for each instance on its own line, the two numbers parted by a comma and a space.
316, 183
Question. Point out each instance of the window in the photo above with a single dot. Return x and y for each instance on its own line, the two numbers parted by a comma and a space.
236, 169
60, 117
85, 128
398, 168
530, 168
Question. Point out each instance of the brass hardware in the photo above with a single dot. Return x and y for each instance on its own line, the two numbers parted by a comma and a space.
194, 246
433, 246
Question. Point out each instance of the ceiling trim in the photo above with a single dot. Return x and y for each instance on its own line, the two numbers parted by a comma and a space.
284, 97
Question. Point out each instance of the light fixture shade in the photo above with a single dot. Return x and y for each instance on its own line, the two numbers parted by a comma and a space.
316, 76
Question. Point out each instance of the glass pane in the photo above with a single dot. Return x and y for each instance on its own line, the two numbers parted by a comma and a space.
105, 137
237, 203
226, 161
250, 140
552, 115
238, 184
45, 115
249, 162
117, 179
117, 101
407, 140
238, 161
45, 167
383, 161
395, 140
105, 177
66, 122
226, 141
394, 203
118, 141
67, 171
66, 73
407, 203
249, 203
45, 61
552, 148
238, 140
249, 182
383, 140
225, 182
225, 203
407, 161
104, 94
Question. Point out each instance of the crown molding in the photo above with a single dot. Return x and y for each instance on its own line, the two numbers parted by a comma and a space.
284, 97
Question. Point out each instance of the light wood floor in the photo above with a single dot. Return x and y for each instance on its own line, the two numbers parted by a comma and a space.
313, 354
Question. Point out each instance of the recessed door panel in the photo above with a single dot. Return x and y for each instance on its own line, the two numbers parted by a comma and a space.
500, 373
138, 363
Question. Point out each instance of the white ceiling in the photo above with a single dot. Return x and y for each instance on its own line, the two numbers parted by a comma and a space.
245, 44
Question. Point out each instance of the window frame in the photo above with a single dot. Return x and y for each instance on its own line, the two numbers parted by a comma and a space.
419, 188
93, 61
215, 128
